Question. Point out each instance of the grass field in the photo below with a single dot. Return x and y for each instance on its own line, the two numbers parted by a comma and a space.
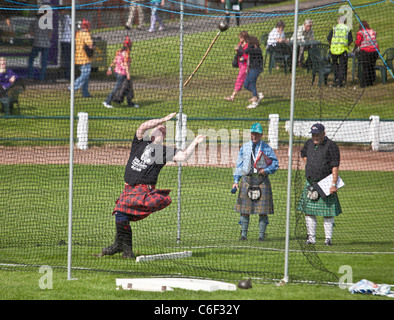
38, 225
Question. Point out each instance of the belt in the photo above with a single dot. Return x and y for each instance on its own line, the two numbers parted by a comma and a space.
149, 186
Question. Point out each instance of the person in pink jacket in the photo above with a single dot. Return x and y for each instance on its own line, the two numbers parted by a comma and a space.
122, 62
243, 59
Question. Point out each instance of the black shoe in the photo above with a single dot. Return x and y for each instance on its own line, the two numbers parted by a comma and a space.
114, 248
242, 238
328, 242
261, 239
127, 27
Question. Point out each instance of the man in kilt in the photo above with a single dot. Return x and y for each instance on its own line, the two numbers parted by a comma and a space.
256, 160
140, 198
321, 156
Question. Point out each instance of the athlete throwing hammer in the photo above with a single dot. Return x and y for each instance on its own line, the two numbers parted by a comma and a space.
140, 198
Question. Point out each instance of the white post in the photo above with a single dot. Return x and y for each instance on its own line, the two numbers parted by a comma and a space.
82, 130
288, 205
273, 131
374, 130
179, 126
71, 164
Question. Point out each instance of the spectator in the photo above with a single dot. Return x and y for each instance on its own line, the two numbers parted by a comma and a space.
232, 5
65, 41
255, 69
242, 59
304, 33
122, 64
368, 54
41, 43
135, 6
7, 76
340, 38
155, 16
83, 52
7, 80
276, 38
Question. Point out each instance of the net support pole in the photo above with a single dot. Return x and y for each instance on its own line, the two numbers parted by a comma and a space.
289, 171
71, 161
180, 122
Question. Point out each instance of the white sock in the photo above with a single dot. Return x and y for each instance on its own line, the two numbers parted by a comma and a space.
328, 227
311, 223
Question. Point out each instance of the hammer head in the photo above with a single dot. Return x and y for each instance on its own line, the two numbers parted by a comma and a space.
223, 26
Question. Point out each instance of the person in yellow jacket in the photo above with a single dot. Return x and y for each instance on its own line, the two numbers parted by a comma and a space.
340, 39
83, 44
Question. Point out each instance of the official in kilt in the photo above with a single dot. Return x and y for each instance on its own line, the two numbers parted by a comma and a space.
140, 198
322, 157
256, 161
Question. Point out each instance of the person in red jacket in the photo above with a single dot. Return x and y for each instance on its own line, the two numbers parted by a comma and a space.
368, 54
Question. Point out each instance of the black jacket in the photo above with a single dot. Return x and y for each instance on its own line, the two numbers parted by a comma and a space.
255, 57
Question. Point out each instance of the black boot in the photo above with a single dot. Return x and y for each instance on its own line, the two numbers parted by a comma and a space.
116, 247
112, 249
127, 241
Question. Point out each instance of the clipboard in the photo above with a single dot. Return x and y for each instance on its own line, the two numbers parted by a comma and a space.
324, 185
267, 160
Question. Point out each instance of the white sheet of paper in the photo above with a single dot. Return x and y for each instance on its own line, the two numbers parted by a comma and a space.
326, 183
236, 7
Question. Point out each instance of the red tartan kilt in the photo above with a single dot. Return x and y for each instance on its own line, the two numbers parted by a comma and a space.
140, 201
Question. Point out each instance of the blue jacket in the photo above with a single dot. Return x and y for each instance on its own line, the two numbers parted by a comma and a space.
243, 165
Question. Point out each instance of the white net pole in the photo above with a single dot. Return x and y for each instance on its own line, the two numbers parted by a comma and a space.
180, 122
71, 162
289, 172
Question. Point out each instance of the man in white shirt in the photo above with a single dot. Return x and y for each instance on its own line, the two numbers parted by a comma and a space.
277, 45
304, 33
277, 35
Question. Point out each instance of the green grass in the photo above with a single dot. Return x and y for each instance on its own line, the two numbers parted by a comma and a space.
37, 226
24, 285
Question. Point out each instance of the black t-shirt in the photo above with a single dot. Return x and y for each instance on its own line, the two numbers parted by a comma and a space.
320, 159
146, 160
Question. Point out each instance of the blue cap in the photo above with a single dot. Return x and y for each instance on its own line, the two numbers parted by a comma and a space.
317, 128
256, 127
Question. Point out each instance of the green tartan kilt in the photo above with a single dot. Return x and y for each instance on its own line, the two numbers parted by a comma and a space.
264, 205
327, 207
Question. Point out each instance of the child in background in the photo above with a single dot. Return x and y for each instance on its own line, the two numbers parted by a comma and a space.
242, 64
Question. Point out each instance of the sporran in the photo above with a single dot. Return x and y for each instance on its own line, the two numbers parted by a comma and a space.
312, 193
254, 192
